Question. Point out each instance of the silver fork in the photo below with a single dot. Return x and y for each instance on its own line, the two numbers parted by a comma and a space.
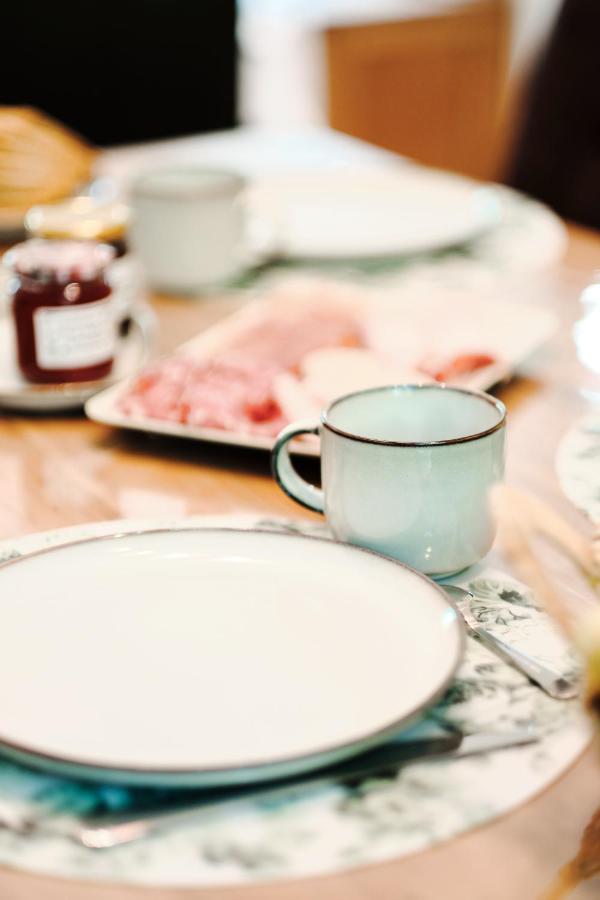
553, 683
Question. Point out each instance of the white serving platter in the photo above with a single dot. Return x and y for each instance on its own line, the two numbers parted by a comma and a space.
208, 657
352, 214
436, 321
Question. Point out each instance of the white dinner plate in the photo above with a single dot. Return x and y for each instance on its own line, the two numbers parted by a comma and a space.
210, 657
362, 214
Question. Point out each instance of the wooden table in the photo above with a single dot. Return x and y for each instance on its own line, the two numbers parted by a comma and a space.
65, 470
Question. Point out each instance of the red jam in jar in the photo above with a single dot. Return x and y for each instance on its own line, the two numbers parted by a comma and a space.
61, 304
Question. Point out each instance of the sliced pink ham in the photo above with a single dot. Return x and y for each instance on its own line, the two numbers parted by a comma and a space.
234, 390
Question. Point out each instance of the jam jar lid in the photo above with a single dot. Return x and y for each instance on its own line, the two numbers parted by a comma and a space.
79, 218
59, 261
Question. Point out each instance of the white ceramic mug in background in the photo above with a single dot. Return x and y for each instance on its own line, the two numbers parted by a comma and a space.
188, 226
407, 471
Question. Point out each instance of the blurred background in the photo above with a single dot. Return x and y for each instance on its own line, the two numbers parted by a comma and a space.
432, 79
501, 90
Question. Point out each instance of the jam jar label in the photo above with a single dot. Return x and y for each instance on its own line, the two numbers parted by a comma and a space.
74, 337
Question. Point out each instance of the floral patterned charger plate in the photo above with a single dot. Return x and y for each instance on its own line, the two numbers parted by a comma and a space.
332, 827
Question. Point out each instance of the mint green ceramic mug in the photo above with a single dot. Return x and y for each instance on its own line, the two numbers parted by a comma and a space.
407, 470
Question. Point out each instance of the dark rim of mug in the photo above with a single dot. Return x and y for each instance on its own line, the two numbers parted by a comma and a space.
492, 401
143, 185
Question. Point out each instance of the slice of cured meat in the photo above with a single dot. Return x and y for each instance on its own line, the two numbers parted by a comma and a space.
445, 369
235, 390
217, 394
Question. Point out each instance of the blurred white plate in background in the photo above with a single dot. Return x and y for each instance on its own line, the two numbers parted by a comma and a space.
358, 214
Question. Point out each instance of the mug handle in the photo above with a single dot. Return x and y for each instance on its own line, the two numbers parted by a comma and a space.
287, 478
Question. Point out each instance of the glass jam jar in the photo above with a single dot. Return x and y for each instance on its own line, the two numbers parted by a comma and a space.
61, 305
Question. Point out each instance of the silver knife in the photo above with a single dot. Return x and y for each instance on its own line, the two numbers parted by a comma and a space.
107, 832
553, 683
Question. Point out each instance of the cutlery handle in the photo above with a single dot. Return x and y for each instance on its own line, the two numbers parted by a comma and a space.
555, 685
286, 476
98, 835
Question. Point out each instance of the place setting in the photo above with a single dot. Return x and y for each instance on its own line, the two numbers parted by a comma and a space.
244, 680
